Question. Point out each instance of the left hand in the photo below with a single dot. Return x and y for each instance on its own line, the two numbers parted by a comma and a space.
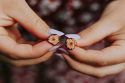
111, 60
22, 53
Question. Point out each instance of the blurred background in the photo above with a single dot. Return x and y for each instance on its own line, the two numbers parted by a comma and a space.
69, 16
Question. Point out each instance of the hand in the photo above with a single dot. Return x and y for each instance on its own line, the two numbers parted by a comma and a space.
111, 60
26, 62
18, 11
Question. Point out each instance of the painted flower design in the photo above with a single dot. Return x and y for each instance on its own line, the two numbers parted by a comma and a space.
53, 39
70, 43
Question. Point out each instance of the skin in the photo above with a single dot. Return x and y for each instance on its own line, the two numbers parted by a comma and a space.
19, 51
110, 60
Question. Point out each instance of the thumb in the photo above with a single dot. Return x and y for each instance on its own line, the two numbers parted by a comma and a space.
98, 31
24, 15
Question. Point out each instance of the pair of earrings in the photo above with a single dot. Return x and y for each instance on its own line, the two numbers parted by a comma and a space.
61, 40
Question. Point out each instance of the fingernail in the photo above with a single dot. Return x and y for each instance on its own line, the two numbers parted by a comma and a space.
63, 50
60, 55
53, 31
54, 49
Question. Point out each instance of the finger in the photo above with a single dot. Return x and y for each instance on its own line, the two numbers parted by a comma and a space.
13, 32
98, 31
107, 56
29, 19
27, 62
95, 71
17, 51
5, 20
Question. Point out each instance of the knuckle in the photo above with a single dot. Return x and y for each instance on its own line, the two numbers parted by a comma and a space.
43, 59
102, 63
14, 57
100, 73
22, 54
17, 64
